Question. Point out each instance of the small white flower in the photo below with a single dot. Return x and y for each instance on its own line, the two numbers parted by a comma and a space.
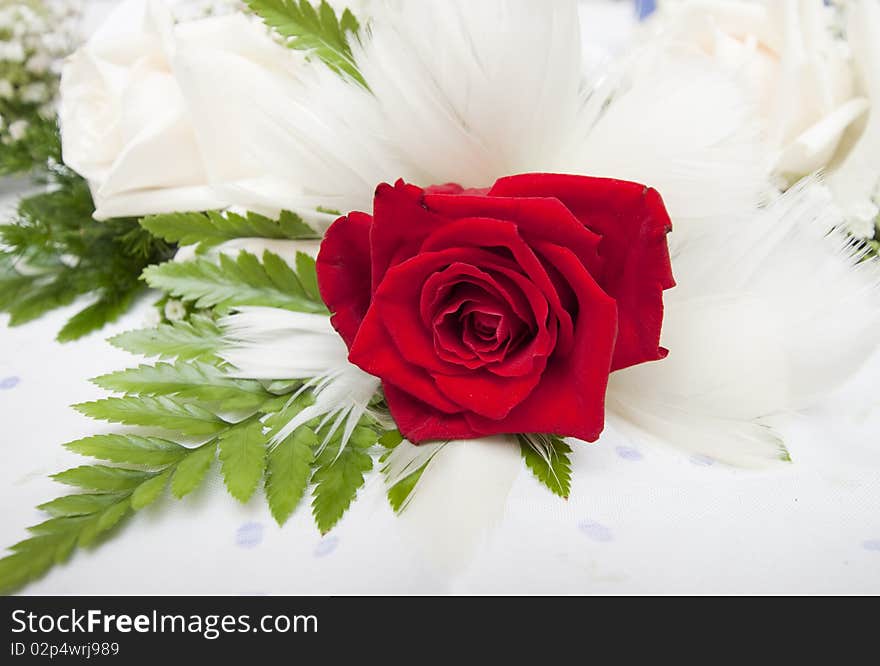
12, 52
6, 89
35, 93
39, 63
2, 123
48, 110
18, 129
174, 310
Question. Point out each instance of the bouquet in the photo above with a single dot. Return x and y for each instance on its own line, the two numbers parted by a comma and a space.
431, 242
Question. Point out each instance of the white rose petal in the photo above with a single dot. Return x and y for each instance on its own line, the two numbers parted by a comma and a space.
143, 102
788, 56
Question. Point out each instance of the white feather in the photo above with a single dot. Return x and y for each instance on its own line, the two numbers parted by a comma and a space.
269, 343
461, 496
766, 319
285, 249
407, 459
768, 313
681, 127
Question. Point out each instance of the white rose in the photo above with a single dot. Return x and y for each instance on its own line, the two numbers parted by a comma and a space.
153, 114
855, 180
797, 70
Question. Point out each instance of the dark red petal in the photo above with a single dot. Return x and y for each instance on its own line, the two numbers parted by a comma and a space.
398, 299
400, 225
439, 286
419, 422
505, 235
539, 217
484, 394
343, 268
570, 399
633, 223
375, 353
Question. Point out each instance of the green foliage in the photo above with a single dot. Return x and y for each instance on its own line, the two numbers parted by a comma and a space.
54, 252
197, 339
210, 229
191, 400
111, 495
289, 468
130, 449
41, 144
191, 380
338, 476
548, 458
400, 492
243, 458
162, 412
237, 282
317, 31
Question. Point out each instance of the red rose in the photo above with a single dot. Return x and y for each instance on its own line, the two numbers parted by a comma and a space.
500, 311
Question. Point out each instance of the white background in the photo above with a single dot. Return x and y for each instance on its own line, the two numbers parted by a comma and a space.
642, 518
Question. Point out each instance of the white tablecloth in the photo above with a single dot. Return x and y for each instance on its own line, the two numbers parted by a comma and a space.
641, 519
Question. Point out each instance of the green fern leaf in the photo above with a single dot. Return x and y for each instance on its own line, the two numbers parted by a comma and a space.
103, 478
231, 283
80, 505
308, 274
195, 340
243, 458
129, 449
316, 31
209, 229
548, 458
149, 491
338, 476
194, 381
191, 471
96, 316
161, 412
288, 469
79, 520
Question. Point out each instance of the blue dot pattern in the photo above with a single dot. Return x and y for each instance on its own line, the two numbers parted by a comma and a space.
596, 531
249, 535
629, 453
644, 8
9, 383
326, 546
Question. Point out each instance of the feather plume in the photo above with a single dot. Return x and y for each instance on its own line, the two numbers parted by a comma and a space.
771, 308
270, 343
461, 495
766, 322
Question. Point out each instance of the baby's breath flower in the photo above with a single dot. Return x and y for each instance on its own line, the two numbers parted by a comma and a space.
174, 310
18, 129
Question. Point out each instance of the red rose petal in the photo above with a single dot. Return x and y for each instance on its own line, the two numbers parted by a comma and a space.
570, 399
343, 268
632, 222
419, 422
